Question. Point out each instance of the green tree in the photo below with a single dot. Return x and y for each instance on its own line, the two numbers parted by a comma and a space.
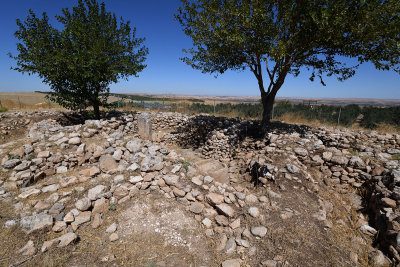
80, 61
274, 38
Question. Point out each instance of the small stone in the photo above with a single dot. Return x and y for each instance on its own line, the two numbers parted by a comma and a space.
97, 221
196, 207
82, 218
340, 160
59, 226
197, 181
107, 163
96, 192
366, 229
388, 202
74, 141
178, 192
100, 205
28, 193
50, 188
120, 192
171, 179
251, 199
28, 250
259, 231
253, 211
93, 171
117, 155
118, 178
112, 228
221, 220
269, 263
231, 263
66, 239
114, 237
235, 224
292, 168
207, 222
62, 169
208, 179
230, 246
242, 242
214, 199
43, 154
83, 204
9, 164
225, 209
135, 179
36, 222
301, 151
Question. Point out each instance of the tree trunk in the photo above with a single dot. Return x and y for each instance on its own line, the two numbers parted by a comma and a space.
96, 109
268, 104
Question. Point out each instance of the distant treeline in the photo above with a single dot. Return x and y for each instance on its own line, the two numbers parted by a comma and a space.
151, 98
368, 116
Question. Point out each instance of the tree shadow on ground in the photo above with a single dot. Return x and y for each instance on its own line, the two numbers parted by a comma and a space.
70, 118
199, 129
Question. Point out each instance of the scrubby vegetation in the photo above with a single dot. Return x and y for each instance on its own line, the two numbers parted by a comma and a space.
3, 109
368, 117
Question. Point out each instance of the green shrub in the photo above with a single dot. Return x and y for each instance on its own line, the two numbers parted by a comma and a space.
3, 109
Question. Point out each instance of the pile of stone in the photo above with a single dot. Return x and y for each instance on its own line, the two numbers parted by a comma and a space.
58, 163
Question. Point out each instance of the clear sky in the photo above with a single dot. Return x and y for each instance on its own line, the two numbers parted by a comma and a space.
165, 73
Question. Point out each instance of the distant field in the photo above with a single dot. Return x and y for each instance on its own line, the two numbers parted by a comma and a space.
33, 98
28, 98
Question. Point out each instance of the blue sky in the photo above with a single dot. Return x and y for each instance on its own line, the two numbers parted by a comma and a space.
165, 73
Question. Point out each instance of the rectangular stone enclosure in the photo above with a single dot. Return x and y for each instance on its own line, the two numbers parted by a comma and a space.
144, 126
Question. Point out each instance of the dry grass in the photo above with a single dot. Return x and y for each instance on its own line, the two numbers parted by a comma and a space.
382, 128
20, 105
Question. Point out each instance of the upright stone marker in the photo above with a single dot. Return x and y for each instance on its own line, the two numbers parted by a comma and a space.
144, 126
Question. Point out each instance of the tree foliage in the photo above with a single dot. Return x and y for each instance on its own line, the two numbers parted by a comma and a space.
81, 60
274, 38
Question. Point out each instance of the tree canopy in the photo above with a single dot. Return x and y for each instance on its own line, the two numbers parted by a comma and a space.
81, 60
274, 38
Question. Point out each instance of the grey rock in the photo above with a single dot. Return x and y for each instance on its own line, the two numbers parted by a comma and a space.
23, 166
292, 168
356, 162
62, 169
230, 246
36, 222
393, 151
301, 151
254, 212
74, 141
153, 163
134, 146
196, 207
259, 231
96, 192
83, 204
171, 179
11, 163
56, 208
391, 164
340, 160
